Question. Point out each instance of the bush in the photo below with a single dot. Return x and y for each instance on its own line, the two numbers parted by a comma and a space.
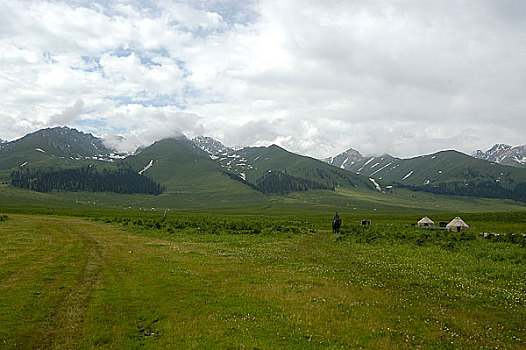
212, 224
404, 235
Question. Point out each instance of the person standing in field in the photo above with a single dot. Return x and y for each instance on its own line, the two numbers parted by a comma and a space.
336, 223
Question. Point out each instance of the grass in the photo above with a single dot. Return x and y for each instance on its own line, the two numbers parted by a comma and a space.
312, 202
259, 281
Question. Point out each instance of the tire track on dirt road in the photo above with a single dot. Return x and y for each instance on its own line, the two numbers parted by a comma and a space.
71, 311
64, 327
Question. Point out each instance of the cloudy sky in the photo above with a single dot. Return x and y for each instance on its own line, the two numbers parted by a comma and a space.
316, 77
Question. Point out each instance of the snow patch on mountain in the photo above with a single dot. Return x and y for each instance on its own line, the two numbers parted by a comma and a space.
375, 184
344, 162
382, 168
369, 161
118, 155
409, 174
146, 167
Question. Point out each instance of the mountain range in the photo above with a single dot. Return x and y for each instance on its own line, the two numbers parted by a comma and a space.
445, 172
275, 170
204, 165
504, 154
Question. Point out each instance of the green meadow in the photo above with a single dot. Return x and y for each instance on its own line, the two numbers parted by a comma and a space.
358, 201
91, 277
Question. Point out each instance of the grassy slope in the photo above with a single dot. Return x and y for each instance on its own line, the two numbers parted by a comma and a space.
68, 283
275, 158
345, 200
453, 165
446, 166
60, 146
194, 181
9, 160
36, 159
189, 173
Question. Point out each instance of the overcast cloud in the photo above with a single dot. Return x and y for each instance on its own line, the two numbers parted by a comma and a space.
316, 77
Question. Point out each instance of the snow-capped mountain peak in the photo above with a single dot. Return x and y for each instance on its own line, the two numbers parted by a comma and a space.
504, 154
210, 145
345, 159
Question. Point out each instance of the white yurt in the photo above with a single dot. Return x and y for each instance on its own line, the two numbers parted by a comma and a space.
426, 222
457, 225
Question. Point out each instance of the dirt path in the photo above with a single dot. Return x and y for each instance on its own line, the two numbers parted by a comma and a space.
308, 247
52, 268
65, 326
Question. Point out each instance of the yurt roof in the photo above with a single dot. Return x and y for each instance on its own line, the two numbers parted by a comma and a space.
426, 220
457, 222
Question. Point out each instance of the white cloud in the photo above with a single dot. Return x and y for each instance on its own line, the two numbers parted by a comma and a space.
189, 17
69, 115
316, 77
143, 125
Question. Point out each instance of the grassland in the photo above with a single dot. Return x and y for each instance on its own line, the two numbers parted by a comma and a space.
350, 201
209, 280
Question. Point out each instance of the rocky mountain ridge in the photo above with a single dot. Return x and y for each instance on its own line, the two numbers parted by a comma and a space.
504, 154
444, 172
269, 169
61, 142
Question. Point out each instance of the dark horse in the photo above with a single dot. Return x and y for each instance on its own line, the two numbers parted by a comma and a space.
336, 225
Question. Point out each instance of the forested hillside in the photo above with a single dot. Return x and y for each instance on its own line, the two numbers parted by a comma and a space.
446, 172
275, 170
487, 189
121, 180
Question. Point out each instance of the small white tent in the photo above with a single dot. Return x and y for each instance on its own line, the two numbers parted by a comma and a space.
426, 222
457, 225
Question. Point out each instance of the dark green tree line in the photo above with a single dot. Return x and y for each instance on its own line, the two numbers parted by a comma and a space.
121, 180
487, 189
279, 182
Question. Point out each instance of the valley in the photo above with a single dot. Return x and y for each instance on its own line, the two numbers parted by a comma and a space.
204, 173
237, 251
265, 174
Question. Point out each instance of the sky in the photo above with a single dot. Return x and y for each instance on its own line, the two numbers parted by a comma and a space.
315, 77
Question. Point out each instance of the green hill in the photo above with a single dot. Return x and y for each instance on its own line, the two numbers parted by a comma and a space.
184, 169
59, 147
446, 172
262, 178
275, 170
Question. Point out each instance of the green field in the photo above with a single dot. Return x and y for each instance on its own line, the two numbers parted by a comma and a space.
115, 279
197, 199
